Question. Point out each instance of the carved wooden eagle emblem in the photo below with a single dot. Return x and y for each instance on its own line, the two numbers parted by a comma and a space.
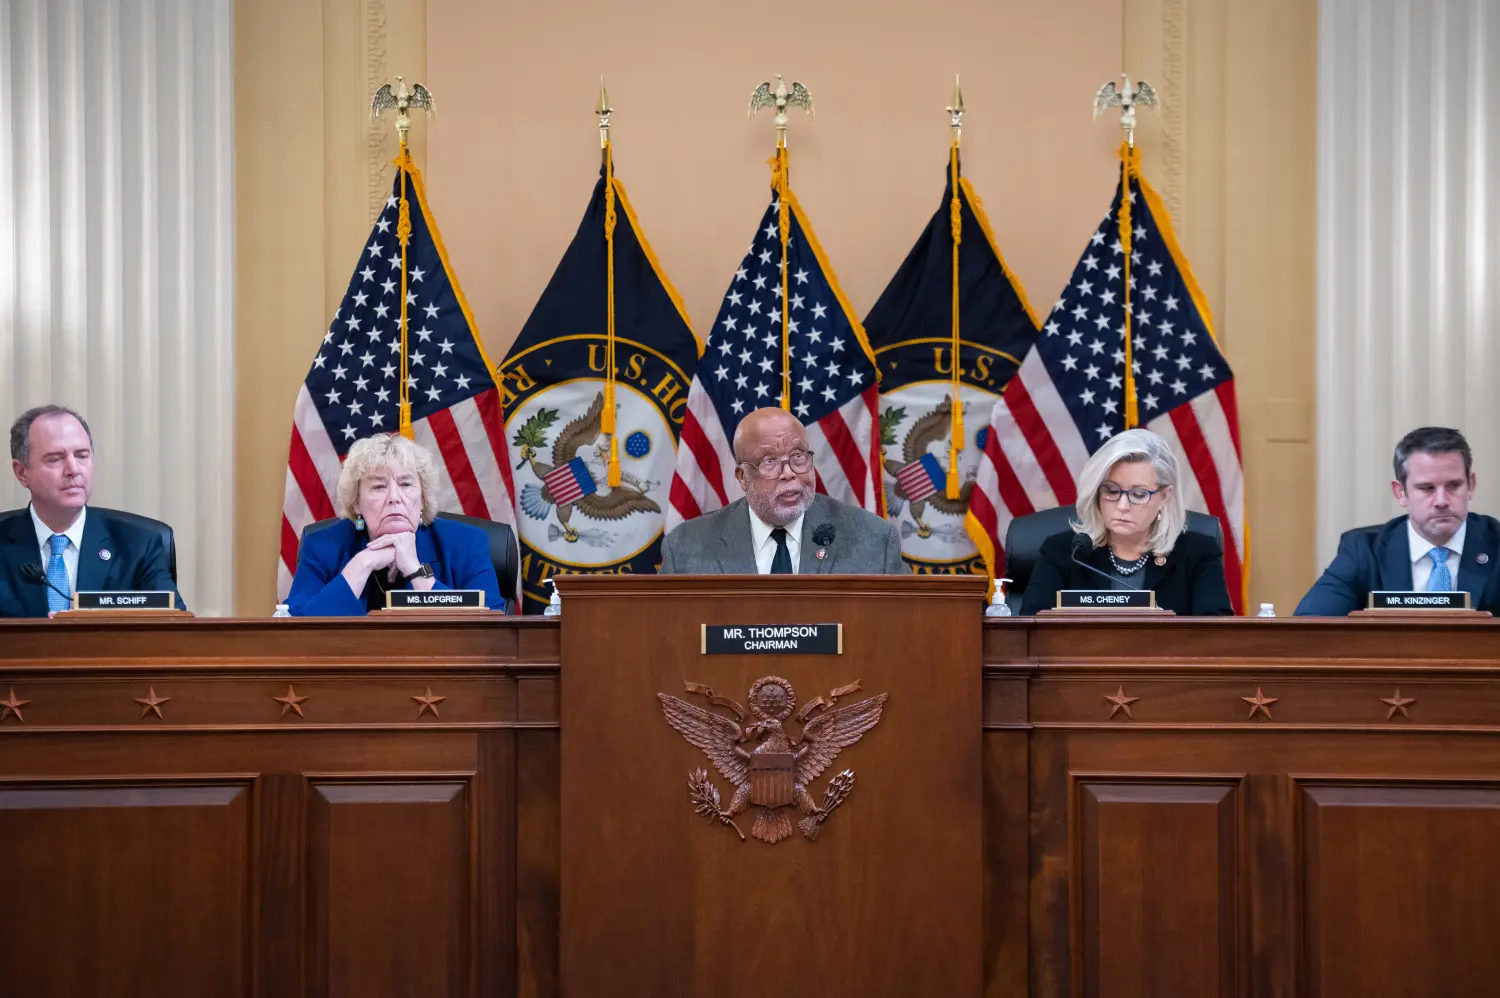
774, 772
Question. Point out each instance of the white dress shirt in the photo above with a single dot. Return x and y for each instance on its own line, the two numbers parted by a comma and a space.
1421, 561
765, 545
74, 534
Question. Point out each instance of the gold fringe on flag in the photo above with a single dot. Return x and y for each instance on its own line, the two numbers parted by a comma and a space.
779, 183
607, 418
403, 236
955, 404
1129, 167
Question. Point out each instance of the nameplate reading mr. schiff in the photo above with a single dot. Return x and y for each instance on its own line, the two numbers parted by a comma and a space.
163, 599
1106, 599
1419, 601
773, 639
435, 599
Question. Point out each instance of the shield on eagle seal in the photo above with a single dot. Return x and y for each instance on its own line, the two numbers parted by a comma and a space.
771, 778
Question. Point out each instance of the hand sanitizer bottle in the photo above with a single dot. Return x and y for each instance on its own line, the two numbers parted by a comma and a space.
998, 607
554, 605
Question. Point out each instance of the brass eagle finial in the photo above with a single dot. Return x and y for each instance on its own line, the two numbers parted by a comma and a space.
1128, 99
781, 98
402, 100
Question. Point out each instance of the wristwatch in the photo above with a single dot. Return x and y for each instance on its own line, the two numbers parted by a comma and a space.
424, 571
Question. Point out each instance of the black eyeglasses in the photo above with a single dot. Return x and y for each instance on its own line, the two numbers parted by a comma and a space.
1137, 497
770, 467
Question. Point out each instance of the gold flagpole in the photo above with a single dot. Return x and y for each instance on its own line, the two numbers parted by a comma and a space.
402, 101
607, 417
781, 98
956, 216
1127, 100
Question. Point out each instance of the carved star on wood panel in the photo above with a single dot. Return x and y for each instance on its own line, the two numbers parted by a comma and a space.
13, 706
1121, 702
291, 701
1397, 702
1260, 703
428, 702
151, 703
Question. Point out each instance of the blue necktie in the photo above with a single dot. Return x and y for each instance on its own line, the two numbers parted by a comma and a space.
57, 574
1441, 580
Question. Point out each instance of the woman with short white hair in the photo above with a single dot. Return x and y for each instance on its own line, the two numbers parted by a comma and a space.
1131, 529
386, 538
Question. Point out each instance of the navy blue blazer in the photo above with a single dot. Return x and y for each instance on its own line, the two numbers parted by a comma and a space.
1381, 561
458, 553
136, 559
1189, 583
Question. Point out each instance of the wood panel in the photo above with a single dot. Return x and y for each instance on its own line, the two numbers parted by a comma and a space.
1400, 882
128, 889
390, 873
1157, 873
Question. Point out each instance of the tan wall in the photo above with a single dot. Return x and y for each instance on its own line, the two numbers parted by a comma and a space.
513, 155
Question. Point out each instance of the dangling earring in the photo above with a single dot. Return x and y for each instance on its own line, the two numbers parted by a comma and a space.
359, 521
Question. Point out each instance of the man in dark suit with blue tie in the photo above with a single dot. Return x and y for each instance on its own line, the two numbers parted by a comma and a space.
1439, 546
67, 546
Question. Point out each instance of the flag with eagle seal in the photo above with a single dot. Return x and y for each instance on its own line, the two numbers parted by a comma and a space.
553, 384
911, 331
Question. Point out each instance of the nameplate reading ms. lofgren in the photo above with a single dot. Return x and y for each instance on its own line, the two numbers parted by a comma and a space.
163, 599
773, 639
1106, 599
435, 599
1420, 601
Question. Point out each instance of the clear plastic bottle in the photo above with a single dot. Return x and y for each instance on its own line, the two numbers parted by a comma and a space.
1267, 610
282, 610
998, 607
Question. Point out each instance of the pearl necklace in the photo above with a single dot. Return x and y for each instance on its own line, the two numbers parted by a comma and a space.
1120, 567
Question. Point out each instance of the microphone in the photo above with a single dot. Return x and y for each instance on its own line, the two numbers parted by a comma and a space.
1079, 541
823, 534
33, 574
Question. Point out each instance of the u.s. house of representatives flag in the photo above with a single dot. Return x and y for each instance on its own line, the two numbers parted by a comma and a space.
1070, 394
833, 381
353, 388
556, 388
911, 329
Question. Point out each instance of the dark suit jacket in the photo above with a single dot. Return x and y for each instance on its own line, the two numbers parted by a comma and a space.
1191, 583
720, 543
1381, 561
137, 561
458, 553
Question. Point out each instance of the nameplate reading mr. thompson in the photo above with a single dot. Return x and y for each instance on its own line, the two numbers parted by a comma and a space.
773, 639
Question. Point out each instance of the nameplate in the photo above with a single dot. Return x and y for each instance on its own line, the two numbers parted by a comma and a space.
773, 639
1419, 601
435, 599
126, 600
1106, 599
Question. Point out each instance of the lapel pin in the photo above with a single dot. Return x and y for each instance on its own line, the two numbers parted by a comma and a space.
104, 554
1483, 558
1160, 560
822, 553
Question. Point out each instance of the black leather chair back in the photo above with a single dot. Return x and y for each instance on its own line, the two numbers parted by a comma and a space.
133, 519
1023, 543
504, 554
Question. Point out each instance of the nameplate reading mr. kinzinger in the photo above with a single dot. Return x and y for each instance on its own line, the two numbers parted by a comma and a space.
773, 639
1419, 600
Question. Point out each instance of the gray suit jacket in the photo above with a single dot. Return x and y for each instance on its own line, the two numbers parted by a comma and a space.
719, 543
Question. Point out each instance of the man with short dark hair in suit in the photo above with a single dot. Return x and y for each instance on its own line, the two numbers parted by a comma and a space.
75, 548
1439, 546
781, 526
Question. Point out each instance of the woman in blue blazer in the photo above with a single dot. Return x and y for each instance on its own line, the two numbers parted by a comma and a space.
387, 539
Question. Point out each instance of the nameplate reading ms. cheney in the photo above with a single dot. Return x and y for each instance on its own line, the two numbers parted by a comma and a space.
435, 599
773, 639
1419, 601
1106, 599
163, 599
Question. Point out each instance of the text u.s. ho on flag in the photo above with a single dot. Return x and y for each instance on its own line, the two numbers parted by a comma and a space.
352, 390
1068, 397
833, 384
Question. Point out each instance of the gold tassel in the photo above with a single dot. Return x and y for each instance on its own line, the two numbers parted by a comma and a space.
607, 417
403, 235
779, 182
956, 408
1127, 169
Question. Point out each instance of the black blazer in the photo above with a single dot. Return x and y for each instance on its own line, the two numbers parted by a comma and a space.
1375, 560
136, 559
1191, 583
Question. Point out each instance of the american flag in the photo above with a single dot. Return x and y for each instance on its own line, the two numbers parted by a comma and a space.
1068, 397
921, 478
352, 390
833, 389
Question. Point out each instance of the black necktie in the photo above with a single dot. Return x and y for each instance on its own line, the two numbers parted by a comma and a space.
781, 564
